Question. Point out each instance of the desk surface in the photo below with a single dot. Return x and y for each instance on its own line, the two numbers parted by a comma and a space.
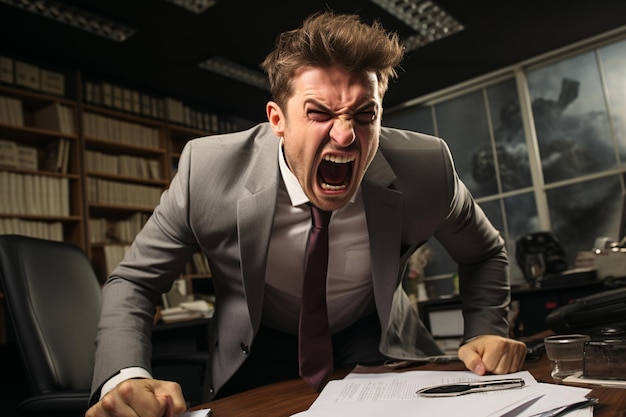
283, 399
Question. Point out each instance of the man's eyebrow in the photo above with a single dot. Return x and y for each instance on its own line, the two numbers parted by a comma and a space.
317, 104
367, 105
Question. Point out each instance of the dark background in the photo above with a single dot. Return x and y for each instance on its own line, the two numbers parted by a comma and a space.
161, 57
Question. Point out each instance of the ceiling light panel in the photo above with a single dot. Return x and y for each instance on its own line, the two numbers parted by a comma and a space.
235, 71
428, 20
77, 18
195, 6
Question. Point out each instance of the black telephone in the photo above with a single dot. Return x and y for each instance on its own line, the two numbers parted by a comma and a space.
602, 314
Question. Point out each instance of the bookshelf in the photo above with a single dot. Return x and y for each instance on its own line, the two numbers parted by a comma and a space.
40, 166
85, 161
125, 173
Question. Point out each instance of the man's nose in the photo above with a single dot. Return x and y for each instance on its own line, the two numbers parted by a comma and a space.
342, 132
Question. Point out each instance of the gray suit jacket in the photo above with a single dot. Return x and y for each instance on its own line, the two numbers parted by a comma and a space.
222, 201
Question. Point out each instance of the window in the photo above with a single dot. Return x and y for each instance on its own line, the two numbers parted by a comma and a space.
578, 110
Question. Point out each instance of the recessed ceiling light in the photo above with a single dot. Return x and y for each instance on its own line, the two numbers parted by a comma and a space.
429, 21
235, 71
75, 17
196, 6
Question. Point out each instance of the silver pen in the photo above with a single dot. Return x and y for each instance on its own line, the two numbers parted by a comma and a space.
462, 388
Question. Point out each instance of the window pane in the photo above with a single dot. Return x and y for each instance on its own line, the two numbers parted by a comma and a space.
417, 119
582, 212
511, 149
614, 61
570, 119
522, 218
462, 123
441, 263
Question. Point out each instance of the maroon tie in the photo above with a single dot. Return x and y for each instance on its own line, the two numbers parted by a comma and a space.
316, 350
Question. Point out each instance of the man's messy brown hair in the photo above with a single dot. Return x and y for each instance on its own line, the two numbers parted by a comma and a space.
327, 39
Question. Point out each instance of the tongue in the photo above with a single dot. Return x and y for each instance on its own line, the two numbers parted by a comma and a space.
332, 173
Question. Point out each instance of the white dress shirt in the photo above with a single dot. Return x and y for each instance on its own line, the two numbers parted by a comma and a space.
349, 289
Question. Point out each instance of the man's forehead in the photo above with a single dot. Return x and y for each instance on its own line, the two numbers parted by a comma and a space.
329, 87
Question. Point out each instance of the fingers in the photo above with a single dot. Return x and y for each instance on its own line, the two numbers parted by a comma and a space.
472, 359
493, 354
140, 397
171, 396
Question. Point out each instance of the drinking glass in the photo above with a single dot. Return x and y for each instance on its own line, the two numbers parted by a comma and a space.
566, 354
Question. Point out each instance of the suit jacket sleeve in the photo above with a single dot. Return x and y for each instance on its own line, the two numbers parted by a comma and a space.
131, 293
478, 248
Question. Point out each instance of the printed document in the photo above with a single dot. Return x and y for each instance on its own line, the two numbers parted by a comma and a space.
394, 393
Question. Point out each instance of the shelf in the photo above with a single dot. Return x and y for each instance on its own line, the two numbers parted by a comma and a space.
33, 99
116, 211
68, 219
179, 136
130, 179
97, 153
123, 115
40, 166
32, 134
103, 145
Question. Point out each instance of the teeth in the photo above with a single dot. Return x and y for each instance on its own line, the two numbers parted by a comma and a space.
339, 159
333, 187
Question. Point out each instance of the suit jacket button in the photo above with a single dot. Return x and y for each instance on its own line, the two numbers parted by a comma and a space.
245, 348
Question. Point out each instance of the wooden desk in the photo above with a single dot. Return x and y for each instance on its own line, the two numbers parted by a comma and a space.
283, 399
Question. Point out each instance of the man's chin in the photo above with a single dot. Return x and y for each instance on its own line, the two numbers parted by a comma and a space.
332, 200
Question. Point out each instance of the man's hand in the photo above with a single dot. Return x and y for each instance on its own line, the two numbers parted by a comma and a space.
494, 354
140, 397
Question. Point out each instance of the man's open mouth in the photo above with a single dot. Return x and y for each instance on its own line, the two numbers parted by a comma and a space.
335, 172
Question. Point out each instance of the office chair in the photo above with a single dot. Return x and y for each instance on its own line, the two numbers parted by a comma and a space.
53, 299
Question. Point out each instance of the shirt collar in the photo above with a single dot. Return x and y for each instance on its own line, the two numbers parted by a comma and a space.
296, 194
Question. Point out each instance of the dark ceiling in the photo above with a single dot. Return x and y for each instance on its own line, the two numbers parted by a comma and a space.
162, 57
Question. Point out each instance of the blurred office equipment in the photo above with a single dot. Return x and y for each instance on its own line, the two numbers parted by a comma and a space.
539, 255
600, 314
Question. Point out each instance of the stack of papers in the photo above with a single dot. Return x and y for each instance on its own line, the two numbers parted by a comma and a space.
187, 311
394, 394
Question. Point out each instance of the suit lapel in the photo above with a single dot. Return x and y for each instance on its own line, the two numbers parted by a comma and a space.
383, 208
255, 216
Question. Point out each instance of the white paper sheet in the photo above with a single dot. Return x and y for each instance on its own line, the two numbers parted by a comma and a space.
205, 412
365, 395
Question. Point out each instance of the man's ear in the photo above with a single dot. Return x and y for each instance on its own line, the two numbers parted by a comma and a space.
276, 118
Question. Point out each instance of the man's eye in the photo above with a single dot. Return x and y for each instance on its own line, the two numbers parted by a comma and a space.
365, 117
319, 116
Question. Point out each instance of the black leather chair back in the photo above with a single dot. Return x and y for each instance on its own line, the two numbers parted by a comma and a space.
53, 298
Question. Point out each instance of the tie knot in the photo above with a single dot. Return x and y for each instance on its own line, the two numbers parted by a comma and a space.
320, 217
